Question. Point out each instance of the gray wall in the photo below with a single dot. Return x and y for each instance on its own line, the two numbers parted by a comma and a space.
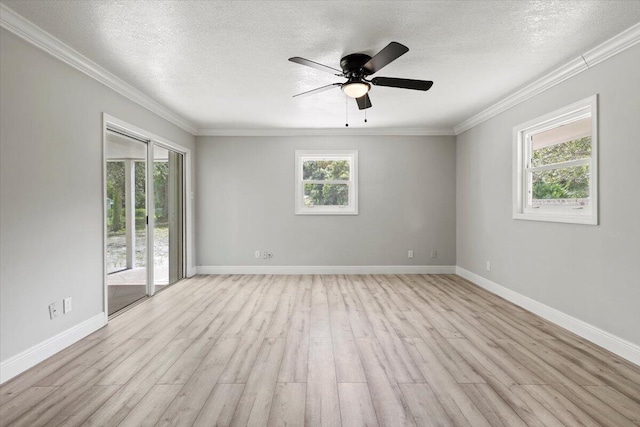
51, 190
589, 272
245, 202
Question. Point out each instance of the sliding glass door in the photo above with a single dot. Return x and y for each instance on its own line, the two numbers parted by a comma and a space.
126, 213
168, 233
145, 211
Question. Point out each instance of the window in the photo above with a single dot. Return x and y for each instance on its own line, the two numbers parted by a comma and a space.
555, 170
326, 182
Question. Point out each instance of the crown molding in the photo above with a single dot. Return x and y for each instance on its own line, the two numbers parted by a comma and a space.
602, 52
326, 132
613, 46
35, 35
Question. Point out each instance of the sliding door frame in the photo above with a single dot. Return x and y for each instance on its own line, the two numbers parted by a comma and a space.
172, 148
188, 243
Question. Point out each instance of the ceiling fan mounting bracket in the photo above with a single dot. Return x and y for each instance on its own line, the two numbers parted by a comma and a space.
352, 64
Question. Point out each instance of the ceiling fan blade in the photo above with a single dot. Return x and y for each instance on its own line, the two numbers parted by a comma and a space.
390, 53
318, 90
364, 102
315, 65
402, 83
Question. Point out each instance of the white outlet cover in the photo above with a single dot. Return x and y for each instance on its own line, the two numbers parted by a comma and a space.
66, 305
53, 310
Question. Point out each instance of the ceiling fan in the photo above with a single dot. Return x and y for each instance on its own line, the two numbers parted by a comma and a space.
356, 67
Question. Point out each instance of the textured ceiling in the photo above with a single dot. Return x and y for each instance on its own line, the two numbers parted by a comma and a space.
224, 64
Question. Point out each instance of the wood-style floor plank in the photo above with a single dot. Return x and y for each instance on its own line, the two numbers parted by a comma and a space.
288, 405
492, 406
459, 407
356, 407
320, 323
359, 323
322, 405
457, 366
149, 410
391, 407
627, 407
188, 362
78, 411
187, 405
68, 394
296, 354
326, 350
12, 409
425, 406
36, 374
562, 409
347, 360
255, 402
220, 406
130, 394
601, 372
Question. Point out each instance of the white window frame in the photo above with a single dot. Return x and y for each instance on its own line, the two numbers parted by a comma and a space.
522, 169
352, 207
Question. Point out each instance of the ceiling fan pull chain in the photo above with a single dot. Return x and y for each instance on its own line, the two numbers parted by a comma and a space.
365, 116
346, 111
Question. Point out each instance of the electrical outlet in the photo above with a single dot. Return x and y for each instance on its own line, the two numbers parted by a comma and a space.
66, 305
53, 310
434, 254
488, 265
269, 255
264, 255
410, 254
257, 254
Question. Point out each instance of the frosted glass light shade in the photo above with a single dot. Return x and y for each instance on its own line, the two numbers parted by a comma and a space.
356, 89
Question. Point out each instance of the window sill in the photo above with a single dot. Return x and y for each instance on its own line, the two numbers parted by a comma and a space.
555, 217
323, 212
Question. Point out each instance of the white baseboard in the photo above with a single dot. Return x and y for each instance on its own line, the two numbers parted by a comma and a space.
192, 271
21, 362
614, 344
326, 269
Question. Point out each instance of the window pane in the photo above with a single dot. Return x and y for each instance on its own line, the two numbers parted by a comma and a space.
561, 187
571, 141
116, 217
325, 169
141, 213
326, 194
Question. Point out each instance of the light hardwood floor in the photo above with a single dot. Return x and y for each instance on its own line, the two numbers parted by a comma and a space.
327, 351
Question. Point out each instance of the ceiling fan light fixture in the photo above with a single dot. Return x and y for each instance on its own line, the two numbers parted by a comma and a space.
356, 89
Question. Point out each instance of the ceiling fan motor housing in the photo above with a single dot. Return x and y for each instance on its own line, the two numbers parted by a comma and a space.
352, 64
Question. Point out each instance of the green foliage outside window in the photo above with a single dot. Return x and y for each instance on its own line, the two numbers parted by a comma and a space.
564, 183
161, 190
326, 194
116, 191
